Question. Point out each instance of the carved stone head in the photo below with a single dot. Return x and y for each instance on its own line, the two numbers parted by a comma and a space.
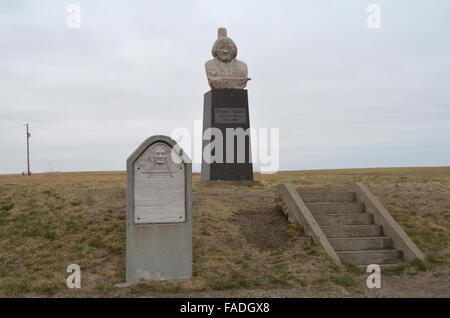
160, 155
225, 71
224, 48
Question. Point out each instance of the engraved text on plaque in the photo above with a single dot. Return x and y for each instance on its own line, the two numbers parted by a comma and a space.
159, 189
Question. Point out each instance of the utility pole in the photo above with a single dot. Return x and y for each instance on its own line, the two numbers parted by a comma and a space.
28, 150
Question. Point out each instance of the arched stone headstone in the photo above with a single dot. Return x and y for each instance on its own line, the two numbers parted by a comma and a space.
159, 212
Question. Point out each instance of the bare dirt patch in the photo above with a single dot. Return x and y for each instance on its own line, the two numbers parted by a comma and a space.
265, 230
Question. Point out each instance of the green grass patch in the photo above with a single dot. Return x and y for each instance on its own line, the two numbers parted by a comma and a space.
49, 288
395, 270
50, 235
75, 203
418, 264
17, 286
346, 280
6, 206
302, 281
277, 280
105, 286
435, 259
351, 268
217, 284
97, 242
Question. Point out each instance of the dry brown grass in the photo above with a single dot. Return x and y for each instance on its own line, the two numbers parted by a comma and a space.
241, 239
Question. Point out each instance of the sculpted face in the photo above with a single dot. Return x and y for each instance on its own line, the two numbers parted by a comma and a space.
226, 50
225, 71
160, 156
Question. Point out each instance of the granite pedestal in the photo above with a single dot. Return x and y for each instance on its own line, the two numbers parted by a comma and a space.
227, 108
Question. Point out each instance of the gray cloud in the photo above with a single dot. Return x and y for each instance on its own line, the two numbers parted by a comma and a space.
342, 95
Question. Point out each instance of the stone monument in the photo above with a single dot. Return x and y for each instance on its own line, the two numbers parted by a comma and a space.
159, 212
226, 108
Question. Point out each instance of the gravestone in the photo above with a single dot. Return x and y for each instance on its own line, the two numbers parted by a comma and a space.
225, 108
159, 212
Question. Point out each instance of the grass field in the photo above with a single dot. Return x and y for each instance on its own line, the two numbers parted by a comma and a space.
243, 245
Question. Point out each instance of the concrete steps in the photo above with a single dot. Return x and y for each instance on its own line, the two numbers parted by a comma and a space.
350, 230
335, 207
365, 257
314, 197
344, 219
360, 243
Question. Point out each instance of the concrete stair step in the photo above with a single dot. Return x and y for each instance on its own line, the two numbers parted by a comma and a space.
352, 230
344, 219
336, 207
360, 243
383, 266
365, 257
311, 197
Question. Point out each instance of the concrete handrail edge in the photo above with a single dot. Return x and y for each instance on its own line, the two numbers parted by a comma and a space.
400, 239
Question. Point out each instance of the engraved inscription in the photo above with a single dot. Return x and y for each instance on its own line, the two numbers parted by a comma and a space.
230, 115
158, 186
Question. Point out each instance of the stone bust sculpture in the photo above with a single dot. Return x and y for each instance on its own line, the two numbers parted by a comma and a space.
225, 71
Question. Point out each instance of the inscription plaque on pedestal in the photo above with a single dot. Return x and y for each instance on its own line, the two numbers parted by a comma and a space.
230, 115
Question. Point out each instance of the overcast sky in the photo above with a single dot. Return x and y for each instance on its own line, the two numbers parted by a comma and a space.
343, 95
